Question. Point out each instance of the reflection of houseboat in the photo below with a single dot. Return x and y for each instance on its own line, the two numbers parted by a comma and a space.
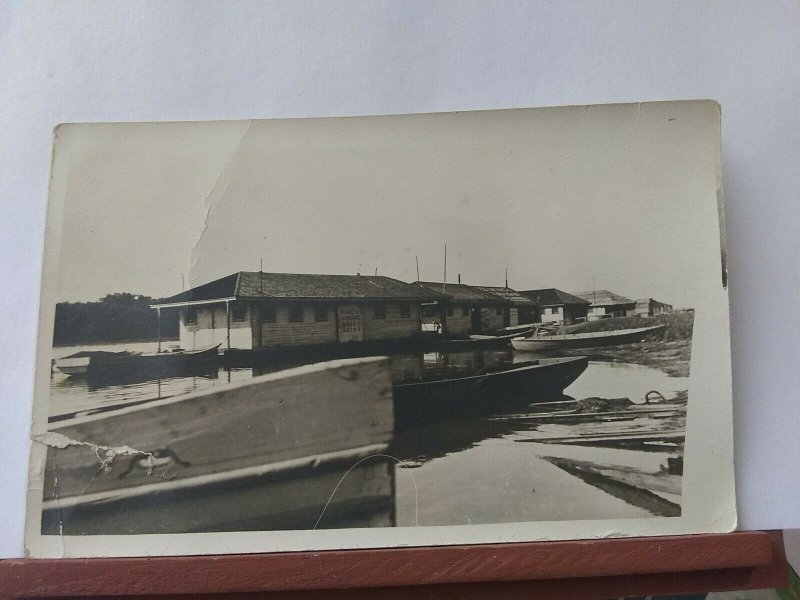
253, 455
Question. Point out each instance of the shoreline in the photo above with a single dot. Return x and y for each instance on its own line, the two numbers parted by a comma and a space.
671, 357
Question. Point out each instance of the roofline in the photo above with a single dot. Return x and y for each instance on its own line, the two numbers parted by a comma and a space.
297, 299
191, 302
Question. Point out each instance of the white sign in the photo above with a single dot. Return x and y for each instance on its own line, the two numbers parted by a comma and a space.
350, 329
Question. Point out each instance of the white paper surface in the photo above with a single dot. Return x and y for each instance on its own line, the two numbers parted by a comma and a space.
184, 61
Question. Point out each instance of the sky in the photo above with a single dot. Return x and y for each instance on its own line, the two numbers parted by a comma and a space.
617, 197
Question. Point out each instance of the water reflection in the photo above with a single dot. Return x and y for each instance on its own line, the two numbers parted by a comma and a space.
460, 472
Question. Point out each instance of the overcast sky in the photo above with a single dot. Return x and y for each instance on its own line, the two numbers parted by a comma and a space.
617, 197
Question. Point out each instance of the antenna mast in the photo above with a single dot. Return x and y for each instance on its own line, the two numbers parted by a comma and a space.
417, 259
444, 279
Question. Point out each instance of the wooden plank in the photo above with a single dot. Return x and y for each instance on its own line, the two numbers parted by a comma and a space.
603, 568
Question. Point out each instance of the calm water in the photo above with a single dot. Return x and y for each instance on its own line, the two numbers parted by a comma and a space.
479, 471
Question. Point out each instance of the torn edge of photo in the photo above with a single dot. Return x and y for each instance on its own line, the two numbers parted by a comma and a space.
405, 330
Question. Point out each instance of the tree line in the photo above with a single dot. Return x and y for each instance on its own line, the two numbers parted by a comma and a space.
114, 318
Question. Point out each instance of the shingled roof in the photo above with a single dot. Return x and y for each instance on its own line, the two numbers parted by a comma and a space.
603, 298
553, 297
461, 292
295, 286
507, 294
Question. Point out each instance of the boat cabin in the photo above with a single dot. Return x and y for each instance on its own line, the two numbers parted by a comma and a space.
557, 306
463, 309
520, 309
248, 310
606, 305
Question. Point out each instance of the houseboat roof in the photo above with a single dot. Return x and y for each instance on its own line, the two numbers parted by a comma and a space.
299, 286
461, 292
505, 293
553, 297
603, 298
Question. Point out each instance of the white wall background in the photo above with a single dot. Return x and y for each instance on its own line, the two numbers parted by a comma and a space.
143, 61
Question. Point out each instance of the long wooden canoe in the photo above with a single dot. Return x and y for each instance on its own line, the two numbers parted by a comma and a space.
584, 340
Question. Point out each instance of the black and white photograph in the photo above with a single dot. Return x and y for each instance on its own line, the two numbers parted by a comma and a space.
384, 330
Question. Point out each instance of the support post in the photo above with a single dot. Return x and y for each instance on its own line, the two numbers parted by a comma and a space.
158, 319
228, 321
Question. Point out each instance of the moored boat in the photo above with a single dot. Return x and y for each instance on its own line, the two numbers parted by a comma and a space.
491, 390
584, 340
98, 364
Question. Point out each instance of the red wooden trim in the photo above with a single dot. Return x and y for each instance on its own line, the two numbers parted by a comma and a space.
588, 569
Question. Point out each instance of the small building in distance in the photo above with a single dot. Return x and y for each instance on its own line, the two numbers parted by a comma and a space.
249, 310
605, 304
464, 309
519, 310
557, 306
647, 307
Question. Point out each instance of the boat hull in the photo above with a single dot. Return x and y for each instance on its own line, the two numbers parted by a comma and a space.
110, 369
590, 340
453, 399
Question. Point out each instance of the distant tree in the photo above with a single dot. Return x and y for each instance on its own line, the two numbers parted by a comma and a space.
115, 318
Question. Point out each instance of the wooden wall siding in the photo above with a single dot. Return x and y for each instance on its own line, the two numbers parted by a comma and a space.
310, 331
214, 433
458, 323
393, 326
551, 314
202, 334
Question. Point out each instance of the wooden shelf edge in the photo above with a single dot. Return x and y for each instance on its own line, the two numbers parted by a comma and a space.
674, 564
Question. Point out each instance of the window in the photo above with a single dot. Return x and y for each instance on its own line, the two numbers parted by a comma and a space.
499, 311
450, 310
405, 311
238, 312
380, 311
295, 313
430, 310
465, 311
190, 316
320, 313
269, 314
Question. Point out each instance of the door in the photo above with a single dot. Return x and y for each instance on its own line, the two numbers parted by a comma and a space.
476, 320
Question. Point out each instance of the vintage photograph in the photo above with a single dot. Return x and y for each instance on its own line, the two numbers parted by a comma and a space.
374, 331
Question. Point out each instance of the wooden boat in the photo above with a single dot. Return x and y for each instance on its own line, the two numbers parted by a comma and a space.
98, 364
488, 391
500, 335
253, 455
584, 340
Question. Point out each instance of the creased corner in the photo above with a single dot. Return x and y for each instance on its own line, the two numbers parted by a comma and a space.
106, 455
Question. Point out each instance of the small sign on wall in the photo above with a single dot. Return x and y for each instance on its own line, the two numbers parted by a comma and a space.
350, 329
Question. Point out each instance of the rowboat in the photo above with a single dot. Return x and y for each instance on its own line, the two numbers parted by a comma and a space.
251, 455
500, 335
490, 390
584, 340
126, 364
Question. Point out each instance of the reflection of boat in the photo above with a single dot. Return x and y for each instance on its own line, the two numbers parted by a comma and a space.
489, 390
145, 365
245, 456
658, 491
584, 340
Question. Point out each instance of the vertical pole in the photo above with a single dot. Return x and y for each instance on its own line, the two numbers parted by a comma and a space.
417, 259
228, 319
158, 318
444, 278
